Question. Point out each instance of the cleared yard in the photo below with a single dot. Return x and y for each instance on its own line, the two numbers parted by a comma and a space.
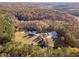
24, 38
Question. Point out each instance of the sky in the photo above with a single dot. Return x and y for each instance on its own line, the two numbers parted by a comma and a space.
39, 0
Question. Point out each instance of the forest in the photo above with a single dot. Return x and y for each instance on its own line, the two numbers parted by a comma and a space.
35, 32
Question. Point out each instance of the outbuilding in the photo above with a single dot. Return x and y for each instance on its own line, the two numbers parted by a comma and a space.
31, 31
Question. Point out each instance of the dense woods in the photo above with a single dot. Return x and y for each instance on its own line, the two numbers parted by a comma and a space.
6, 29
17, 19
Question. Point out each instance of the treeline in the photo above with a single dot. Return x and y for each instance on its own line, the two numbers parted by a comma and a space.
41, 14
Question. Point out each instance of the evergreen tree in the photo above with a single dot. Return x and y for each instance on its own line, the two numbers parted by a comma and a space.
6, 29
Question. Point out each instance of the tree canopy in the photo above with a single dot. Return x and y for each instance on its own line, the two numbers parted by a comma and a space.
6, 29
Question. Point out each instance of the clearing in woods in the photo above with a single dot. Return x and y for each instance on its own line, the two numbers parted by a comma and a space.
24, 38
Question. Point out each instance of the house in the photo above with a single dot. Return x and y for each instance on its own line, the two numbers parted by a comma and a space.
31, 31
45, 41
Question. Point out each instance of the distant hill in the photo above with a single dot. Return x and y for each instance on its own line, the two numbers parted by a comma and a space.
65, 6
46, 5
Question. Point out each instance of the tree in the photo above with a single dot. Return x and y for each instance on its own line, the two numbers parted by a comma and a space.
6, 29
70, 39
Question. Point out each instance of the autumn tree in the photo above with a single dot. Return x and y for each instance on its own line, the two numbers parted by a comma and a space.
6, 29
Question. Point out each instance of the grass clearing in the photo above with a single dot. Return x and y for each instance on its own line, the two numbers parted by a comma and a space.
23, 38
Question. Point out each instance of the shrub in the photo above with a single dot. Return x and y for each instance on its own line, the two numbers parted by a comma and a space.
6, 29
69, 37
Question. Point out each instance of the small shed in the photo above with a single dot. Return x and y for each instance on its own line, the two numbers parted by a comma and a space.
31, 31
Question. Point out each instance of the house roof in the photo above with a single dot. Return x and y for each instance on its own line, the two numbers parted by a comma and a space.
31, 29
